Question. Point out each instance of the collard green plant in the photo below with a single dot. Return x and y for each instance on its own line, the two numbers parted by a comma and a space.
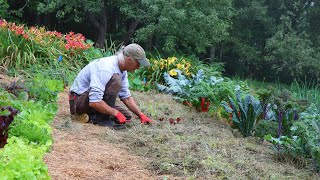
308, 129
191, 90
245, 112
287, 145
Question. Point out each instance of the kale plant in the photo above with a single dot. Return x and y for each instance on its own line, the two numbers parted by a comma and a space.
245, 112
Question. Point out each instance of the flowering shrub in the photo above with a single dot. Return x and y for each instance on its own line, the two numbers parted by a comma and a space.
159, 66
170, 64
23, 47
76, 41
69, 41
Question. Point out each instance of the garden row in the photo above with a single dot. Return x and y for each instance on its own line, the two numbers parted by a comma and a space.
26, 112
46, 61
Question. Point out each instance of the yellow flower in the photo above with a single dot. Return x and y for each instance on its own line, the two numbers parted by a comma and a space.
161, 64
154, 68
187, 73
179, 66
171, 60
187, 66
173, 72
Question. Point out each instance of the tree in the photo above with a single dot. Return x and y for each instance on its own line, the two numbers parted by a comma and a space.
291, 48
11, 10
96, 12
270, 39
291, 53
3, 8
193, 26
246, 47
314, 23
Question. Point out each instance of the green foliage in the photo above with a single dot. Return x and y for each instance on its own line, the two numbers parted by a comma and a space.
308, 129
191, 90
245, 112
41, 133
306, 91
266, 127
287, 145
35, 118
47, 89
303, 137
139, 84
252, 25
29, 135
291, 53
22, 47
22, 160
71, 10
15, 51
3, 8
195, 26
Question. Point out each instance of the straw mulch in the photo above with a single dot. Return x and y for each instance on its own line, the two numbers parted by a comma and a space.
79, 151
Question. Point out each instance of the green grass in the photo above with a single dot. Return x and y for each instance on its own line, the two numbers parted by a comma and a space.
307, 90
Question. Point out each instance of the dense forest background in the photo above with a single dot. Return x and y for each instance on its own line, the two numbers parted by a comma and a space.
260, 39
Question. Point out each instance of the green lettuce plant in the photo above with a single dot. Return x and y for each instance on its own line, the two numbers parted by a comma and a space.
20, 159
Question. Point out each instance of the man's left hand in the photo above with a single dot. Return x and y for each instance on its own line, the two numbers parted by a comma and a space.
144, 119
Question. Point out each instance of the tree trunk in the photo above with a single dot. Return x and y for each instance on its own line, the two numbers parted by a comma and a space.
126, 38
100, 22
100, 42
221, 52
212, 53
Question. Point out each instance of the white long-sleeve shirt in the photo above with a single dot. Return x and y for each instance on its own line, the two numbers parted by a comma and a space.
95, 76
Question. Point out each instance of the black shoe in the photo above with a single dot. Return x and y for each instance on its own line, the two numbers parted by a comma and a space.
104, 120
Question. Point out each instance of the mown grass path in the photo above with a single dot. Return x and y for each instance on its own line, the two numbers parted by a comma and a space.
80, 152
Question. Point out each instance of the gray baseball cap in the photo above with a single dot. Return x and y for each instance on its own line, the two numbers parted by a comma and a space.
136, 52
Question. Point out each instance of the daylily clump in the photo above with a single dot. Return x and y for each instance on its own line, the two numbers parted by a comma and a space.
170, 65
69, 42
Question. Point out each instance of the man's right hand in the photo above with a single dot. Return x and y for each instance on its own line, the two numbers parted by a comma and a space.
121, 118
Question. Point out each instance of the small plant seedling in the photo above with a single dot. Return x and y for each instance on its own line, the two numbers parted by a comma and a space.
172, 121
175, 121
178, 120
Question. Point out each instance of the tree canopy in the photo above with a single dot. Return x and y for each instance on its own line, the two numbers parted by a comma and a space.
258, 38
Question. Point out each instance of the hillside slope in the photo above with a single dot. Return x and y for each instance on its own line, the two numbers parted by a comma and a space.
197, 147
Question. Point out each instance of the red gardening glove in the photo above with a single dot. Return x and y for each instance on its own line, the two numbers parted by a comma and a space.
121, 118
144, 119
